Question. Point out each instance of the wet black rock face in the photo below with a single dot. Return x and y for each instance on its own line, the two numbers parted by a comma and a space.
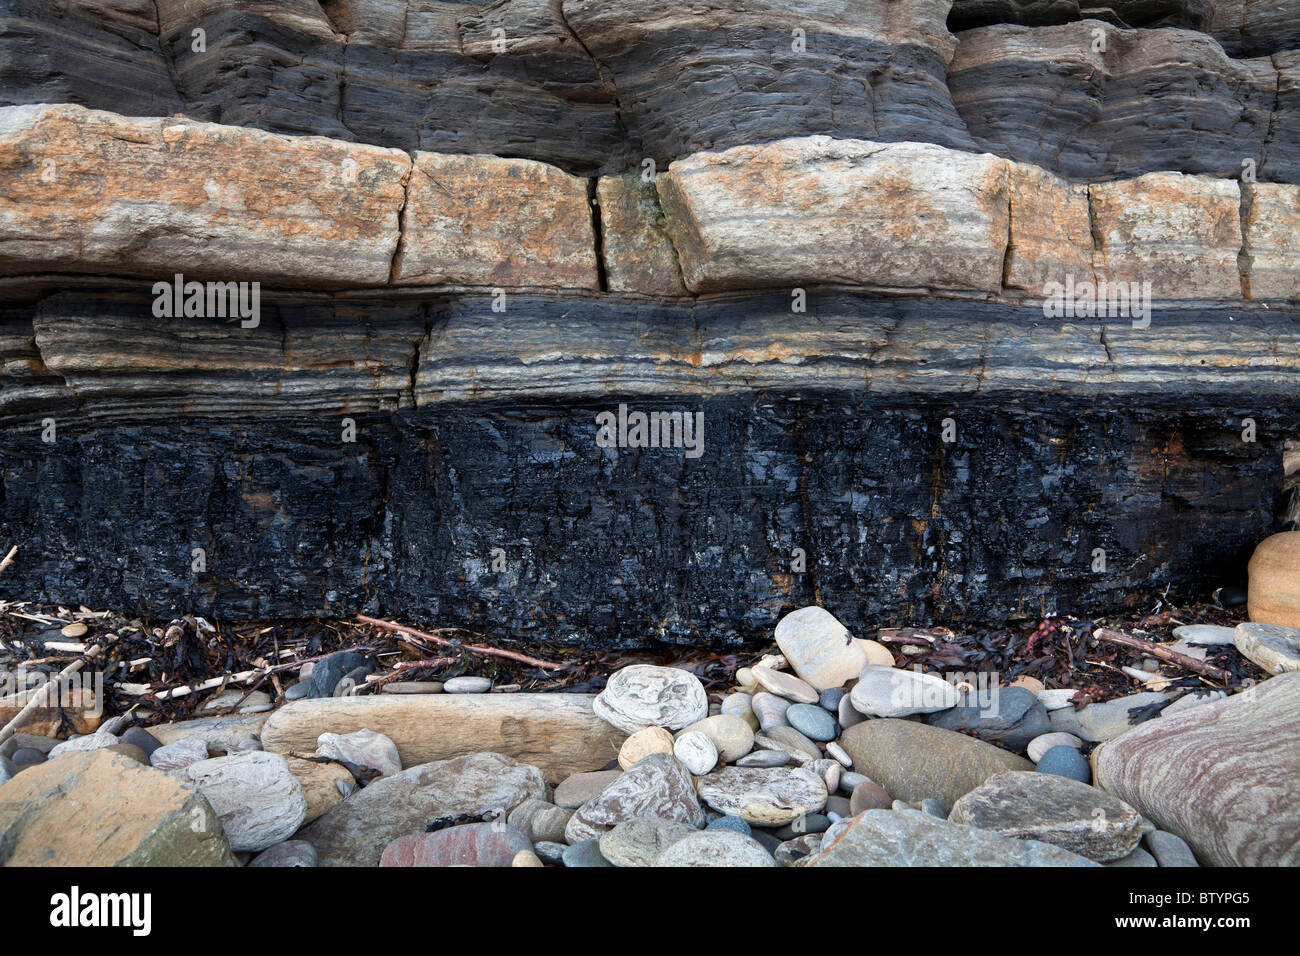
513, 519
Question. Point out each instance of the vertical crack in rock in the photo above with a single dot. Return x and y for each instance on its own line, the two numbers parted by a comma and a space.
1245, 261
806, 459
1006, 249
395, 265
606, 74
168, 60
1272, 117
1105, 344
419, 346
1094, 230
597, 235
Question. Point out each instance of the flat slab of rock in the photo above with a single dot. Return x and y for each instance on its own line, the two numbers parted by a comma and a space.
644, 695
658, 786
256, 796
146, 196
557, 733
100, 808
1052, 809
764, 796
913, 838
219, 733
577, 789
913, 761
356, 831
1224, 776
1272, 646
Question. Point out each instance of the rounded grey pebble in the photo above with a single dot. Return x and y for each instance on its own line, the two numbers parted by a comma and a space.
849, 779
934, 808
586, 853
764, 758
813, 722
549, 852
830, 699
838, 805
299, 690
141, 738
27, 757
731, 823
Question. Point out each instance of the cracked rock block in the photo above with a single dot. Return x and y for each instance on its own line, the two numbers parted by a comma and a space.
486, 221
96, 192
1272, 230
1180, 233
821, 211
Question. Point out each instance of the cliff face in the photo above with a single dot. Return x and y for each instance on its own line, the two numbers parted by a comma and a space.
991, 309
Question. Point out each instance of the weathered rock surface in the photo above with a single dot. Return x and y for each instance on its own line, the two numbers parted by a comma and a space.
1151, 100
640, 842
258, 800
913, 838
96, 192
635, 248
1269, 227
658, 786
1052, 809
356, 831
363, 748
823, 211
767, 797
472, 844
486, 221
1180, 233
913, 761
306, 526
716, 848
103, 809
558, 733
1222, 776
1273, 647
645, 695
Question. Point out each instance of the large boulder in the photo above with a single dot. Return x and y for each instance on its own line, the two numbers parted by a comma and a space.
1224, 776
913, 838
764, 796
356, 831
913, 761
1052, 809
100, 808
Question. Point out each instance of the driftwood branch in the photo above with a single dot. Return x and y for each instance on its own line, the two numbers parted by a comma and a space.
41, 695
472, 648
9, 558
1164, 653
